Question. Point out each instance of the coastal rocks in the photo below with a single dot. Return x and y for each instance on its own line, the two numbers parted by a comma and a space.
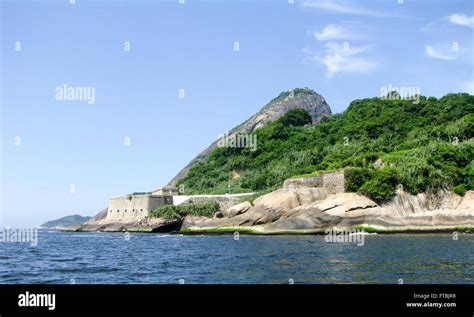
304, 210
445, 209
101, 215
218, 215
254, 216
341, 209
134, 225
405, 205
466, 203
191, 221
289, 198
313, 210
237, 209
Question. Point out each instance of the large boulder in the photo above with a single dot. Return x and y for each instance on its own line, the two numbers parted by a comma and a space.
237, 209
324, 214
191, 221
289, 198
133, 225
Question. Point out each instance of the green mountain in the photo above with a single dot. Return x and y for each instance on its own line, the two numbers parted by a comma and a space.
68, 221
298, 98
423, 145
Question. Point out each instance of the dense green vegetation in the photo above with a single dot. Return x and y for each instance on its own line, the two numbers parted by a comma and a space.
422, 147
296, 118
378, 184
172, 212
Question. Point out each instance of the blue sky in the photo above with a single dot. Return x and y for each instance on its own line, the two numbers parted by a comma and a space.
64, 157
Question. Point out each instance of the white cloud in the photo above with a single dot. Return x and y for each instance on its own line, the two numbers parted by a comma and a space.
341, 59
457, 19
335, 32
340, 7
461, 19
439, 53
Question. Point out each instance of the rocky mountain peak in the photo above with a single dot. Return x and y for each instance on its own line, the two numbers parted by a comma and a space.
303, 98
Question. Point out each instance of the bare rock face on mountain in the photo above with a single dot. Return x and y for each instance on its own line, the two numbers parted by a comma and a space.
304, 98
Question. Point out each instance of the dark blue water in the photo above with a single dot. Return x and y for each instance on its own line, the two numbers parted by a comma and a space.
66, 257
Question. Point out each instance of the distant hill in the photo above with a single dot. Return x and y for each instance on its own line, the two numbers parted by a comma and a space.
73, 220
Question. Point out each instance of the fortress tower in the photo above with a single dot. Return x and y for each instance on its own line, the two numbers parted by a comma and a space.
139, 205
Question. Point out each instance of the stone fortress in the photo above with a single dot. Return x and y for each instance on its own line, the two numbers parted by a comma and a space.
139, 205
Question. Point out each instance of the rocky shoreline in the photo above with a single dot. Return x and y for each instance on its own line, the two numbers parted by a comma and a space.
324, 199
312, 210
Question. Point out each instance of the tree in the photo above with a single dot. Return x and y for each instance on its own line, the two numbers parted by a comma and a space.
296, 117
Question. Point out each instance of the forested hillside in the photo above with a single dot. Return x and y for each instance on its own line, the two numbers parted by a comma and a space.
381, 143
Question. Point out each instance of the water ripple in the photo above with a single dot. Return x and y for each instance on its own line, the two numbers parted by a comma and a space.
164, 258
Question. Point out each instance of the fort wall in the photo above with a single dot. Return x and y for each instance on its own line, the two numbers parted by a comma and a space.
224, 201
135, 206
334, 182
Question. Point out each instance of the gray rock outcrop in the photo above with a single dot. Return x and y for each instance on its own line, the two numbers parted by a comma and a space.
131, 225
237, 209
306, 210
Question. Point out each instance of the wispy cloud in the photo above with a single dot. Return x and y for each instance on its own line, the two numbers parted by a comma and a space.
456, 19
428, 27
460, 19
338, 58
439, 53
336, 32
342, 7
341, 57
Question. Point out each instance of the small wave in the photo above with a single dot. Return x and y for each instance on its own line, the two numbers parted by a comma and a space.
86, 270
169, 235
89, 236
18, 275
66, 259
